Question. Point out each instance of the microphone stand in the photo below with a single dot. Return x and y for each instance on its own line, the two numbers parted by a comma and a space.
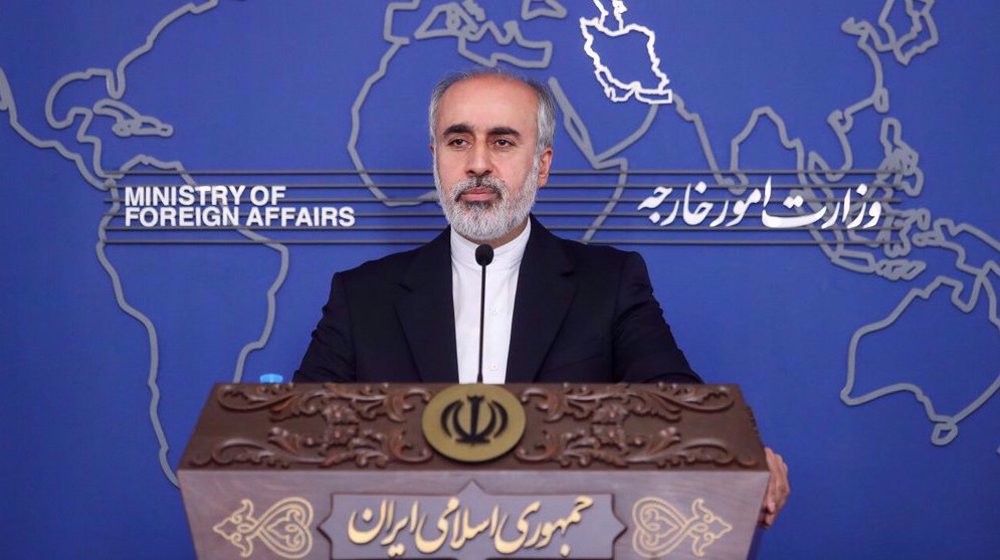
484, 256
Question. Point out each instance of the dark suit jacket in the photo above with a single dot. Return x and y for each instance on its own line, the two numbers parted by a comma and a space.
582, 314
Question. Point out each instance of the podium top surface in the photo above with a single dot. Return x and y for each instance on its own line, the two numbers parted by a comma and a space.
377, 427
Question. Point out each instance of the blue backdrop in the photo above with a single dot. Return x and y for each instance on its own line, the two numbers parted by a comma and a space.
871, 356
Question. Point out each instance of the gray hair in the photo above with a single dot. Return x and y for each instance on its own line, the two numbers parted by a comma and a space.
546, 116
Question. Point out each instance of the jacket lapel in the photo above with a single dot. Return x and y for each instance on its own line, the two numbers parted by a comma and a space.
427, 313
545, 291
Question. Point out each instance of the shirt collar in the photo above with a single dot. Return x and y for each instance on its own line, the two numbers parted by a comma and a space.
507, 256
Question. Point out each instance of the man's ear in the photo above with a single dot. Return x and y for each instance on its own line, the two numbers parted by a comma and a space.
431, 146
544, 164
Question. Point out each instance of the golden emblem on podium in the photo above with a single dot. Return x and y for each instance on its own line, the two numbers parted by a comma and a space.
473, 423
660, 527
284, 528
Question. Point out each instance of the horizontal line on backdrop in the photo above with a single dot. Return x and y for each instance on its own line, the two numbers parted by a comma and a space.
543, 214
270, 172
546, 200
439, 227
430, 186
736, 242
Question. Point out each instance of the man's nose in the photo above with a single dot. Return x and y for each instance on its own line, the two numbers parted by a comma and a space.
479, 162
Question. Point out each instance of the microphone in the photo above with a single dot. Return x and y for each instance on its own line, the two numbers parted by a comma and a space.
484, 256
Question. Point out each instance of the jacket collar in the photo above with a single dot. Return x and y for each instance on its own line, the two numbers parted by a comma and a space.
427, 312
545, 289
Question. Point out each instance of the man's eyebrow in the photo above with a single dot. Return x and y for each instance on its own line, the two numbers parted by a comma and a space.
460, 128
463, 128
504, 131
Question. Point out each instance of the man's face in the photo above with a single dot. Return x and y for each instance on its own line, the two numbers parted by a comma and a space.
485, 164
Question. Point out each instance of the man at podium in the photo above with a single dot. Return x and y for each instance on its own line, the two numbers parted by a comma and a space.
552, 310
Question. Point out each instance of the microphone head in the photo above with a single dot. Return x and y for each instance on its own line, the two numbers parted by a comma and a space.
484, 254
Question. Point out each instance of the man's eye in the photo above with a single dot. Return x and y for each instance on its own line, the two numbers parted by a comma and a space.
503, 143
458, 142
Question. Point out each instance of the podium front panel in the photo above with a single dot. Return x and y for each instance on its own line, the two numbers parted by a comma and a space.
347, 471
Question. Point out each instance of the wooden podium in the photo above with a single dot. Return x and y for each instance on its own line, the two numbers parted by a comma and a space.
473, 471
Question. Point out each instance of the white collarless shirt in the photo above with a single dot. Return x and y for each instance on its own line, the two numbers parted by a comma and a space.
501, 291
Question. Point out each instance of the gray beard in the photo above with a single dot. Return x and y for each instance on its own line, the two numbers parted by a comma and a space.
488, 220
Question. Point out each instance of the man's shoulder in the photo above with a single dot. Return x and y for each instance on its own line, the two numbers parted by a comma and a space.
592, 255
389, 267
415, 265
595, 252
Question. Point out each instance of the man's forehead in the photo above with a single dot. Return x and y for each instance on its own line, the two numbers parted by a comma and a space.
485, 103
